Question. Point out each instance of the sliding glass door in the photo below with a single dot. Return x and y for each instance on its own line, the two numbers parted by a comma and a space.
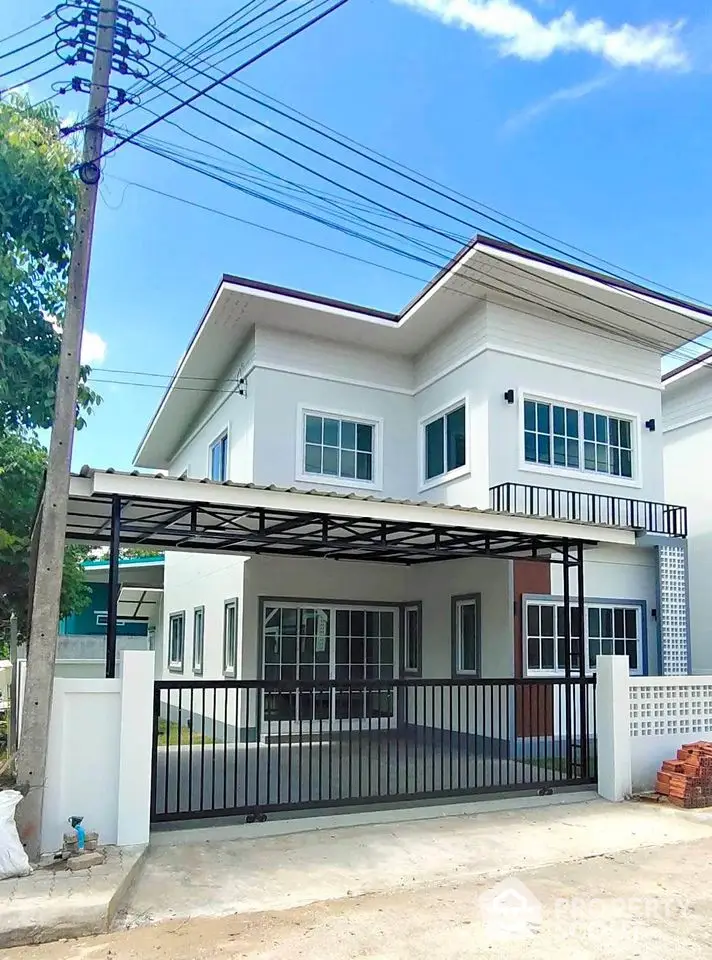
331, 642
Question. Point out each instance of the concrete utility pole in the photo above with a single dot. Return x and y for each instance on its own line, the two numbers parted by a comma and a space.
42, 648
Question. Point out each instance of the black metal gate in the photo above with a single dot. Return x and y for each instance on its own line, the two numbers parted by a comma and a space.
252, 747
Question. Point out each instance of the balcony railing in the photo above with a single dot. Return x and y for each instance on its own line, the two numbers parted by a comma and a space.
580, 506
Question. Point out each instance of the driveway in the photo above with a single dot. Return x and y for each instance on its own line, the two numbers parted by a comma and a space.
648, 898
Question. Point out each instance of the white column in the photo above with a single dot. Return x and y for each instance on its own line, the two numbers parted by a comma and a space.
135, 747
613, 727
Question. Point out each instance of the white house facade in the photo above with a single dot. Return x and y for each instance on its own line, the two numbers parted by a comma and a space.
395, 544
472, 397
687, 422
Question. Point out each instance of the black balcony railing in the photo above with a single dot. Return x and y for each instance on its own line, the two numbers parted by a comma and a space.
581, 506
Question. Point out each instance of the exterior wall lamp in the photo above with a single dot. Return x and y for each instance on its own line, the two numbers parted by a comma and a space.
509, 396
650, 425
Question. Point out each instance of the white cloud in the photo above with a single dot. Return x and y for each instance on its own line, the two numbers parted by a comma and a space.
93, 348
565, 95
519, 33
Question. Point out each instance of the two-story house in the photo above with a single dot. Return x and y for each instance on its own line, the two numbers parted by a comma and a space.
404, 532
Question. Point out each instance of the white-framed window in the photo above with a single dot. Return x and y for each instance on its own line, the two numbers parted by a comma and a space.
412, 644
573, 438
466, 635
340, 448
218, 458
610, 627
176, 640
445, 442
198, 638
230, 637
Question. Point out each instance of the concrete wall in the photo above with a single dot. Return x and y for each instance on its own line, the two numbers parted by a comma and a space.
99, 755
227, 410
688, 463
194, 580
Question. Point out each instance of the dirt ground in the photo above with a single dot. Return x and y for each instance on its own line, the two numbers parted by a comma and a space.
654, 902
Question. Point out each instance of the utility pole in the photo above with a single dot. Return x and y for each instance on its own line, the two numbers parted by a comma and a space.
42, 648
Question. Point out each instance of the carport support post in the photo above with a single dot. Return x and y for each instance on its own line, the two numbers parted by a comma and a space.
567, 660
583, 693
113, 598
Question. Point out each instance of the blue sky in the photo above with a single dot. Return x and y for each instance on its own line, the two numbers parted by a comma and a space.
590, 122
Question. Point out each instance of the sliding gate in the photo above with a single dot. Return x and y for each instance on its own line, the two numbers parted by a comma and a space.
254, 747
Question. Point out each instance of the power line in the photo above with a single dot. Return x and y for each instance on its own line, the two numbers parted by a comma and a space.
232, 73
30, 63
586, 320
417, 223
26, 46
427, 182
37, 76
272, 230
31, 26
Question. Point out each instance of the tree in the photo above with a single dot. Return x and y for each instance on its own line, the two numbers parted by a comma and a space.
38, 196
22, 465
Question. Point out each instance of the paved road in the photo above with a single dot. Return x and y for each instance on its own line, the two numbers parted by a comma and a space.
588, 910
584, 881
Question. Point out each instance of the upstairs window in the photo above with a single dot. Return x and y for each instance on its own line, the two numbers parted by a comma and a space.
340, 448
445, 443
562, 436
218, 459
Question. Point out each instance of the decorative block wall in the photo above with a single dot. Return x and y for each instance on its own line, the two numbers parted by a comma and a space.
671, 708
673, 621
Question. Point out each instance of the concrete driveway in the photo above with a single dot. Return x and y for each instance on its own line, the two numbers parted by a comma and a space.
598, 881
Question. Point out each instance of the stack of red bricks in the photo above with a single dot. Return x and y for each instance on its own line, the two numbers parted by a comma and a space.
687, 781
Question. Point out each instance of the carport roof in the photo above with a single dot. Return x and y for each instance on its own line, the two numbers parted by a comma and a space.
190, 514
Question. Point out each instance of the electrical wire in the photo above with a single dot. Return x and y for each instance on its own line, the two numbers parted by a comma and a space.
26, 46
30, 63
405, 217
31, 26
37, 76
232, 73
436, 187
512, 288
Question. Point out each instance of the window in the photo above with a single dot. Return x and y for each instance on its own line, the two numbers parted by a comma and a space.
562, 436
176, 641
198, 638
335, 447
411, 638
614, 628
218, 459
445, 443
324, 643
230, 637
466, 635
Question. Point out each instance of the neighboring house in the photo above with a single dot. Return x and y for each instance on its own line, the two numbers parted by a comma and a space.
470, 396
81, 649
687, 425
396, 543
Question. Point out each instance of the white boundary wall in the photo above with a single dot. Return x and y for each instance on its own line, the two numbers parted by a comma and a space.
643, 721
99, 757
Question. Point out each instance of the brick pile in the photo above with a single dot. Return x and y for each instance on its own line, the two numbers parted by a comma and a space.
687, 780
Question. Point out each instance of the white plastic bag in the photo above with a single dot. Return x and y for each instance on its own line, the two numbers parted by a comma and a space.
13, 859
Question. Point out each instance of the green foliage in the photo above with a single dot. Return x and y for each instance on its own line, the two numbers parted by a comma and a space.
22, 464
38, 194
